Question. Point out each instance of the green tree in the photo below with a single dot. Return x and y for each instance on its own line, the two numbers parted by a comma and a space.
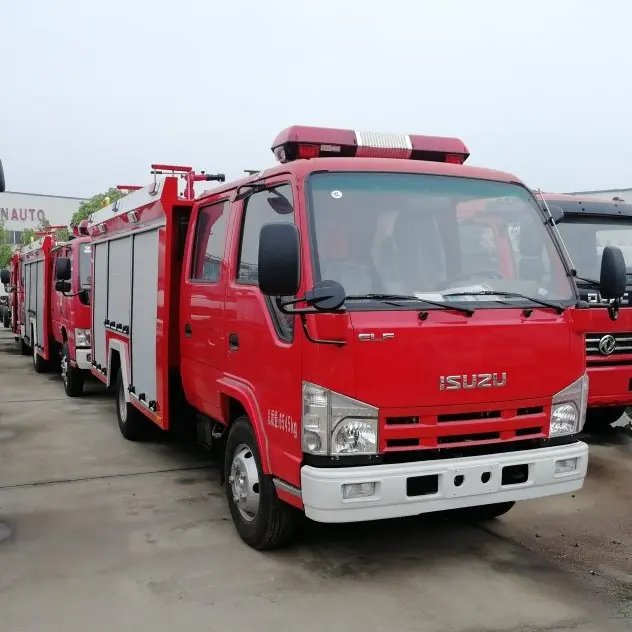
5, 247
96, 203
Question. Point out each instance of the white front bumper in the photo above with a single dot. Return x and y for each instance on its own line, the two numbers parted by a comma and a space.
322, 487
83, 358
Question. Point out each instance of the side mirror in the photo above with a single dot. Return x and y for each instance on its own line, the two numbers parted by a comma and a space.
62, 286
612, 281
2, 184
62, 269
279, 259
5, 277
556, 213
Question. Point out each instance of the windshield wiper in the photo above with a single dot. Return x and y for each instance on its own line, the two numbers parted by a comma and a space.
391, 299
592, 282
558, 308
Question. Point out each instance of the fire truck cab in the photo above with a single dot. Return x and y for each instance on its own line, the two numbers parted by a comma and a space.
587, 226
331, 325
70, 307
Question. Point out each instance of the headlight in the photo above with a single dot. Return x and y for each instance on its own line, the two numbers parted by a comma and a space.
568, 409
337, 425
82, 337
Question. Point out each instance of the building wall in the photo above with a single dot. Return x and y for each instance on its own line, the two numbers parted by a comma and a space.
21, 211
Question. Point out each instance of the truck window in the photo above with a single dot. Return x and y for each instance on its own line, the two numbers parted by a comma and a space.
210, 236
404, 234
586, 237
258, 212
85, 265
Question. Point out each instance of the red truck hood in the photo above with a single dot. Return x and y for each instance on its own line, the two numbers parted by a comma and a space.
534, 357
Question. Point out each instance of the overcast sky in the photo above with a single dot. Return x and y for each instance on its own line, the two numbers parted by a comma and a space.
92, 92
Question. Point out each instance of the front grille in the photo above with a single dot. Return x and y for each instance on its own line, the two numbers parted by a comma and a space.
607, 345
435, 428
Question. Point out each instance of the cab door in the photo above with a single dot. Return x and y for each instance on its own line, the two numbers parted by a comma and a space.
263, 344
203, 346
60, 305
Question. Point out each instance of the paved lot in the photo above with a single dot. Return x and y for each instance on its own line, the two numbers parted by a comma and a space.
100, 534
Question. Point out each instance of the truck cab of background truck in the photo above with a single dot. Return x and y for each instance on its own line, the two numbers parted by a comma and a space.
366, 331
587, 225
70, 307
15, 288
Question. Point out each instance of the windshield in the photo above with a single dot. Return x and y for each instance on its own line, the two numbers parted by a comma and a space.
430, 236
586, 237
85, 255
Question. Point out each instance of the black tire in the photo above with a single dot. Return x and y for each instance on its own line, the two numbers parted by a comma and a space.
24, 348
483, 513
39, 364
134, 426
71, 376
5, 317
274, 524
601, 419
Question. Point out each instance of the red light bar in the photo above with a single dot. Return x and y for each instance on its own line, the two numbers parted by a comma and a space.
301, 142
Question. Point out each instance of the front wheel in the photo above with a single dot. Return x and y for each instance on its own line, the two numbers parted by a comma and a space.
261, 519
134, 426
5, 317
71, 375
601, 419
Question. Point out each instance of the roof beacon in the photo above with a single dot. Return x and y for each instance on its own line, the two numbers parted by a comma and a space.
301, 142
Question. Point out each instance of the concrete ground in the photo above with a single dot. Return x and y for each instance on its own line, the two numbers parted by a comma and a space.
100, 534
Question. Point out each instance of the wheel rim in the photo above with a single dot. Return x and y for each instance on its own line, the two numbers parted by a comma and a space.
244, 482
122, 405
64, 368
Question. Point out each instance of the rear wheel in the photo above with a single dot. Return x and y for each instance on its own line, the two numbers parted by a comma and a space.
600, 419
71, 375
39, 364
261, 519
483, 513
24, 348
134, 426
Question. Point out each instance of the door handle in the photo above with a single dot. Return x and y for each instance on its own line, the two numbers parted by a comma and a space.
187, 330
233, 342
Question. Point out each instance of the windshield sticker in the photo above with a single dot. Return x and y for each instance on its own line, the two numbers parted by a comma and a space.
336, 195
87, 248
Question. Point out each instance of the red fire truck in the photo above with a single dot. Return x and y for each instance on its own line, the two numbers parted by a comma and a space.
70, 309
588, 225
33, 324
330, 326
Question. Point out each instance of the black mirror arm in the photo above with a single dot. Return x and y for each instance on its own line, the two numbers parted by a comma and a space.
287, 307
613, 309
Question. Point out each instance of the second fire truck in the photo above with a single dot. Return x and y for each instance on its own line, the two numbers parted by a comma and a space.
588, 225
330, 325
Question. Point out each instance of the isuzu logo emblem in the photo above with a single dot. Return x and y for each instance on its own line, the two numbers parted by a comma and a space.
476, 380
607, 345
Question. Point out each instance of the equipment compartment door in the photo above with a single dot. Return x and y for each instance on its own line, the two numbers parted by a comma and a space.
99, 302
144, 314
40, 304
